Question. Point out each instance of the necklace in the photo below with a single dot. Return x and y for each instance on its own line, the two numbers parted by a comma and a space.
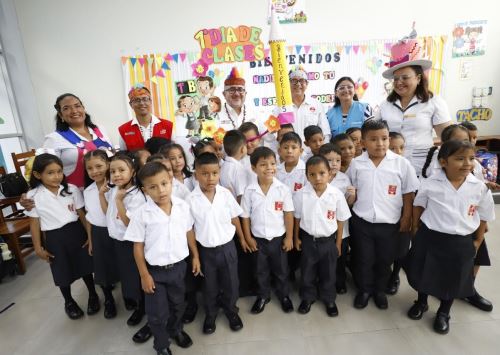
149, 128
229, 116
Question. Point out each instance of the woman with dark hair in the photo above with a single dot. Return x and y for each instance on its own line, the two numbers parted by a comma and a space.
411, 108
347, 111
75, 135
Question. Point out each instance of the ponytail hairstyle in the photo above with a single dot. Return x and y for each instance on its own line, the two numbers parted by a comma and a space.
126, 157
98, 153
39, 164
445, 137
453, 146
165, 150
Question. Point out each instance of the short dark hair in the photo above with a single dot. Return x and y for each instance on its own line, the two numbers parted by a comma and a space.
451, 147
206, 78
469, 125
233, 140
339, 138
149, 169
422, 91
448, 131
154, 144
62, 125
261, 153
396, 135
248, 126
291, 137
311, 130
156, 157
352, 130
206, 159
337, 84
317, 160
328, 148
287, 125
373, 125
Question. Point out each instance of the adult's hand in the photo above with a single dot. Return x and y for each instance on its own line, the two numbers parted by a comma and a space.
27, 203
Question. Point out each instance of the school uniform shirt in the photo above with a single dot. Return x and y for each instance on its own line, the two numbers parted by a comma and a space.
266, 210
132, 201
416, 124
55, 210
452, 211
164, 237
251, 175
295, 179
434, 168
233, 176
94, 214
179, 189
212, 220
306, 155
318, 215
380, 189
341, 181
190, 182
229, 119
146, 132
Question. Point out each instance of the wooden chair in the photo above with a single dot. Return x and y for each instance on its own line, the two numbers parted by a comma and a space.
21, 159
12, 226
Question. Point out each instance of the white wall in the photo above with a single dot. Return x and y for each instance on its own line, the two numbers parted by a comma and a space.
75, 46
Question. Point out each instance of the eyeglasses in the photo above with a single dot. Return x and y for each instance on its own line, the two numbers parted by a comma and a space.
236, 90
403, 78
345, 87
298, 81
139, 100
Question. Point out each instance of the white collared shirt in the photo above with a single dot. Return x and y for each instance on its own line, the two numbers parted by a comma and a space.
380, 189
67, 152
212, 220
452, 211
318, 215
233, 176
341, 181
266, 211
179, 189
295, 179
251, 175
132, 201
246, 114
94, 214
55, 211
416, 124
146, 132
310, 112
164, 237
434, 168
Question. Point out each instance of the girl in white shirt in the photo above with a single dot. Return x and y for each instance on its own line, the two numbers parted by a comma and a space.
59, 213
106, 273
453, 208
177, 157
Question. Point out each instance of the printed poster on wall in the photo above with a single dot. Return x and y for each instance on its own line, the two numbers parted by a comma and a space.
469, 39
288, 11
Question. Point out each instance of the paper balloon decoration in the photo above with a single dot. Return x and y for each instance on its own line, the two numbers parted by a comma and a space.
219, 135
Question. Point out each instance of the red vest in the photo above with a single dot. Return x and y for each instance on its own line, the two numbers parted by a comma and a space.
132, 136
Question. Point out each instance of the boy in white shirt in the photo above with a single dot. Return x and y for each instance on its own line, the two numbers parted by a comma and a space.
314, 139
320, 212
232, 174
268, 227
215, 214
292, 171
386, 185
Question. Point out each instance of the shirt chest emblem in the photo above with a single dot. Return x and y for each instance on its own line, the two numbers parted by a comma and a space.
392, 189
312, 109
472, 209
297, 186
278, 205
131, 133
330, 214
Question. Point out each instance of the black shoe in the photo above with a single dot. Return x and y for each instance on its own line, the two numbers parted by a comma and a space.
209, 325
480, 302
136, 317
73, 310
361, 300
442, 323
164, 351
393, 285
130, 305
286, 304
109, 309
142, 334
189, 314
341, 288
331, 309
235, 322
183, 340
93, 305
380, 300
259, 305
305, 306
417, 310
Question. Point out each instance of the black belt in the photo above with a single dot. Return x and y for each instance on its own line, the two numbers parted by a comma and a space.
163, 267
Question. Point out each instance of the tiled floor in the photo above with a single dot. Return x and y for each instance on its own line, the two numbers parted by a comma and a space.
36, 323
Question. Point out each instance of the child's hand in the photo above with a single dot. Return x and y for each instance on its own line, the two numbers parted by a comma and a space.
120, 194
297, 244
252, 244
350, 191
339, 249
492, 185
244, 246
104, 188
405, 224
88, 244
44, 254
196, 266
287, 244
477, 244
148, 284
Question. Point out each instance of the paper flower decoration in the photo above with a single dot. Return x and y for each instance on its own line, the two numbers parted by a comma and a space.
208, 128
199, 68
272, 124
218, 135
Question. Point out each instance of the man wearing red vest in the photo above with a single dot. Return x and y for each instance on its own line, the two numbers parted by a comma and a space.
145, 125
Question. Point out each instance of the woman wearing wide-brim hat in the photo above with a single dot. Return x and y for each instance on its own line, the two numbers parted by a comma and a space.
411, 108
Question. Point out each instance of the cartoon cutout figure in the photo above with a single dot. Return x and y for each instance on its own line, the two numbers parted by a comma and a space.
205, 88
214, 107
186, 109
